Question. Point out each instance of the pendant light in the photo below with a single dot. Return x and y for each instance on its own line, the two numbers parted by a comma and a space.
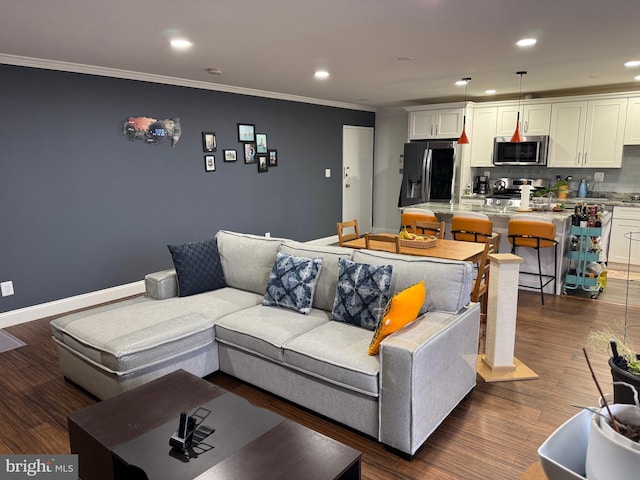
516, 135
463, 137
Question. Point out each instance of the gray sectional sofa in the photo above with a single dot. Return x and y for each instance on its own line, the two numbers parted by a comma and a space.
398, 397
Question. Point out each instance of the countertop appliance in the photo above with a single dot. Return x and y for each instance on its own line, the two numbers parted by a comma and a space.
531, 150
507, 191
481, 185
430, 172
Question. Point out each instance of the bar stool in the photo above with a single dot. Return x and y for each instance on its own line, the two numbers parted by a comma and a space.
537, 233
471, 227
410, 215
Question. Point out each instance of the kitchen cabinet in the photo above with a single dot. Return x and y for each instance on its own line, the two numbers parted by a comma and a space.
625, 220
587, 134
534, 119
483, 131
632, 126
442, 123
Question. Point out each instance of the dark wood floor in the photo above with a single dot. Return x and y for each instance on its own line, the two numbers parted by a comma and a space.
494, 434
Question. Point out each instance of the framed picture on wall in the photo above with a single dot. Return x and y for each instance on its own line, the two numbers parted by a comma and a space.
230, 155
209, 141
273, 157
263, 164
210, 163
246, 132
249, 153
261, 142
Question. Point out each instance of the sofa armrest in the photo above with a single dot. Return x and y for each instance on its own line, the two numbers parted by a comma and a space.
161, 285
426, 369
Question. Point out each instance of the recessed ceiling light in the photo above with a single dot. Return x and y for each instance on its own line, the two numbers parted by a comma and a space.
526, 42
637, 77
490, 92
321, 74
405, 59
214, 71
181, 43
632, 63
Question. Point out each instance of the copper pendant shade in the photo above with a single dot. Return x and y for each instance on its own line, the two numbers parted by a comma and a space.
516, 138
463, 137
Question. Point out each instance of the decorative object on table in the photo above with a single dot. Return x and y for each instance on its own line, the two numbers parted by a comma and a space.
210, 163
246, 132
263, 165
151, 130
230, 155
209, 141
190, 430
412, 240
261, 142
273, 157
249, 153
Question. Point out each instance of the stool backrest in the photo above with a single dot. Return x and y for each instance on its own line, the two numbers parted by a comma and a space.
471, 228
532, 233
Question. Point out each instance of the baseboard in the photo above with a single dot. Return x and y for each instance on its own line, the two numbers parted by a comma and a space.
65, 305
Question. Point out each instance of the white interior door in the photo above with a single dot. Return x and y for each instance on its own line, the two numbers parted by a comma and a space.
357, 175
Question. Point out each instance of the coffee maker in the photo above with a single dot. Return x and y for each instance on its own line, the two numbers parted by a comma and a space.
481, 185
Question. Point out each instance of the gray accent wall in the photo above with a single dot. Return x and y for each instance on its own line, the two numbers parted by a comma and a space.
82, 208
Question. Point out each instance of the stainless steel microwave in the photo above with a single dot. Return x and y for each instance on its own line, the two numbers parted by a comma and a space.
530, 151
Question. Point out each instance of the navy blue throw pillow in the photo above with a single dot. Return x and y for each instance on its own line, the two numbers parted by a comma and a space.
197, 266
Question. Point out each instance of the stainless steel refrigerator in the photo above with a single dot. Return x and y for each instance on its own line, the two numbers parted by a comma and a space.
429, 172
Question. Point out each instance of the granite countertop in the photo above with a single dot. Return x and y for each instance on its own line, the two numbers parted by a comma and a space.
608, 199
447, 208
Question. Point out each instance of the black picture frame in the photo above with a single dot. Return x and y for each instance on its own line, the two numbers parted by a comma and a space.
246, 133
209, 163
250, 153
261, 142
263, 163
272, 155
209, 141
230, 155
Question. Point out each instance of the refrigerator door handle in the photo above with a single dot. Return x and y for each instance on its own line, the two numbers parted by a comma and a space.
426, 175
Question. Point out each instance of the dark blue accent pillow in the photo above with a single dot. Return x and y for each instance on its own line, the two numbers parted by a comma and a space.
362, 293
292, 282
197, 266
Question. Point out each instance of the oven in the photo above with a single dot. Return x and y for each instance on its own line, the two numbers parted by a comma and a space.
507, 192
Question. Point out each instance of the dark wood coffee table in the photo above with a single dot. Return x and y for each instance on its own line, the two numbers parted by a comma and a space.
127, 436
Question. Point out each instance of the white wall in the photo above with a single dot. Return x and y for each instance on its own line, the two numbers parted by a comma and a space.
391, 135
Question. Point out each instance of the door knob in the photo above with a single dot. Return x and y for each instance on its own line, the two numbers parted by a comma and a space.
347, 185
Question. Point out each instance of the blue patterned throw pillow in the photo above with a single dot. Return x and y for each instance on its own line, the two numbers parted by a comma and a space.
198, 267
292, 282
362, 293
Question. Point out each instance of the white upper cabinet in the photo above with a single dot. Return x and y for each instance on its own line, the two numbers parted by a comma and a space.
482, 134
587, 134
443, 123
632, 128
534, 119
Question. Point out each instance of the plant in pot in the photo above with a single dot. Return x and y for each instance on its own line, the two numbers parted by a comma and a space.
624, 361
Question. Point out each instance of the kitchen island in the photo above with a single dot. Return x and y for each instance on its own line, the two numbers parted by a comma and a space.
500, 217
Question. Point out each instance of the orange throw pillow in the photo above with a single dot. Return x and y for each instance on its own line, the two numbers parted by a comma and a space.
402, 309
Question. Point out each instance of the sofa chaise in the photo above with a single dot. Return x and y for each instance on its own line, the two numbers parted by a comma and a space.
398, 396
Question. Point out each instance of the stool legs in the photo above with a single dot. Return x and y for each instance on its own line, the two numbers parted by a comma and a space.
554, 277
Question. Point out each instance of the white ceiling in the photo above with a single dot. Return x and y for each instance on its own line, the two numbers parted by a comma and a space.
275, 45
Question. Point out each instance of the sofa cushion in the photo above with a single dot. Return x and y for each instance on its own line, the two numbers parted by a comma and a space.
197, 266
448, 282
361, 294
325, 292
264, 330
337, 353
247, 259
402, 309
135, 336
292, 282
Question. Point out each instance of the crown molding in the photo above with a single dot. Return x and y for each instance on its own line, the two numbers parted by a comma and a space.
181, 82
